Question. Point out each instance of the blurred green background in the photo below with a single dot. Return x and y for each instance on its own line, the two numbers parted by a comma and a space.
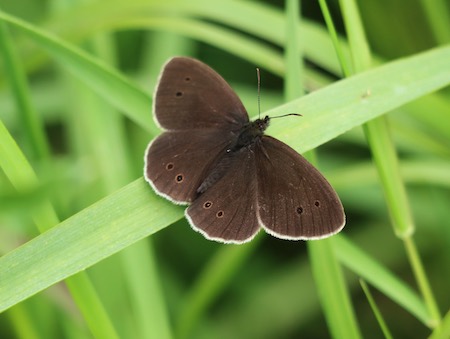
175, 283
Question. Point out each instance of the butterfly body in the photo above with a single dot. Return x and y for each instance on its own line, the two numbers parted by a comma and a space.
235, 178
250, 133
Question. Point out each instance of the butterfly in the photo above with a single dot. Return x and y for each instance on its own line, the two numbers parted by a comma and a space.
235, 179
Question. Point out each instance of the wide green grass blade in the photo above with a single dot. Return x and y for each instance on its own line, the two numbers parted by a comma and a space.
344, 105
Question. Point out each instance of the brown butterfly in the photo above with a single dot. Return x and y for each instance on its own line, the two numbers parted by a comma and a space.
235, 178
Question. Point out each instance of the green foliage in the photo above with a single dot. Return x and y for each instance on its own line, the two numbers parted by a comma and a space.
75, 118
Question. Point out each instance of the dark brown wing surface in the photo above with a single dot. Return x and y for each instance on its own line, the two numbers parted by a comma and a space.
295, 201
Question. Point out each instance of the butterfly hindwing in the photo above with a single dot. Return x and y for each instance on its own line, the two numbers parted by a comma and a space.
294, 200
226, 211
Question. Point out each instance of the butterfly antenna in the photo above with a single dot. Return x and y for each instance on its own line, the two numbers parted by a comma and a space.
258, 75
286, 115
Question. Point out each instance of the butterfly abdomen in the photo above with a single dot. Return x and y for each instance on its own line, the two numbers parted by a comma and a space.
216, 173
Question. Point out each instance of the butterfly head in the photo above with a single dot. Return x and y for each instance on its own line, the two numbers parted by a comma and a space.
261, 124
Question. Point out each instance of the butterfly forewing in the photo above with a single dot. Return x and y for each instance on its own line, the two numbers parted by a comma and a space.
191, 95
202, 116
178, 161
295, 201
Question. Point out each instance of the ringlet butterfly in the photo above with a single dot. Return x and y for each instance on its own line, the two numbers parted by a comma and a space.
235, 178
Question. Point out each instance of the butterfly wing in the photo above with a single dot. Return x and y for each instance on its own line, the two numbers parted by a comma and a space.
202, 115
226, 212
294, 200
191, 95
177, 162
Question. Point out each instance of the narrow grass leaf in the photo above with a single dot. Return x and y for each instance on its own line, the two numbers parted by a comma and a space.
251, 14
386, 160
375, 310
339, 312
377, 275
324, 263
211, 282
443, 330
32, 127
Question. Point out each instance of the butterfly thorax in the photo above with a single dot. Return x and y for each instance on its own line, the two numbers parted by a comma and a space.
250, 133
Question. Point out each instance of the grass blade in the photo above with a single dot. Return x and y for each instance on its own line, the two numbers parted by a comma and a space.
376, 311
